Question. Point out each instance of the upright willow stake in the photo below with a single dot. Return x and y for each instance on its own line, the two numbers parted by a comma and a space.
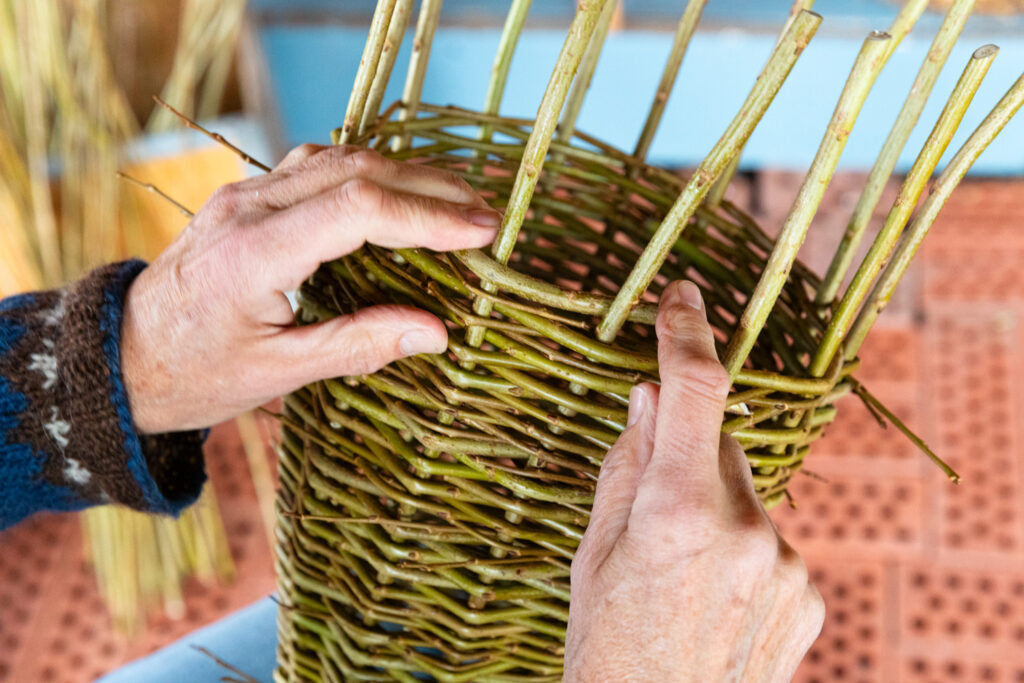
388, 55
910, 192
426, 27
866, 68
717, 193
585, 73
367, 69
536, 149
503, 60
761, 95
901, 26
947, 181
680, 41
933, 63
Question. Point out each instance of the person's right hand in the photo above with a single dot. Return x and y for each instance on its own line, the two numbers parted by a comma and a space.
208, 332
681, 575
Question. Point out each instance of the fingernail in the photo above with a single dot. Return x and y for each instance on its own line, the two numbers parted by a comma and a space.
421, 341
485, 218
690, 294
637, 405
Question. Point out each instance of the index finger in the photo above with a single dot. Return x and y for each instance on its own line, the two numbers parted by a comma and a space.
694, 387
295, 241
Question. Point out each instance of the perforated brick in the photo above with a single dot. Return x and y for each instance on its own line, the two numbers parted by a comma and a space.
971, 360
853, 511
936, 668
891, 355
964, 605
67, 637
857, 434
851, 644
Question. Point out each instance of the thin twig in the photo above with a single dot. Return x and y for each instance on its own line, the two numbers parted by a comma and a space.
233, 669
149, 187
216, 137
870, 400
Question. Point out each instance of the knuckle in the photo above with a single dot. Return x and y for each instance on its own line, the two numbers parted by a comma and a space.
227, 199
364, 162
759, 549
360, 195
706, 377
813, 610
301, 153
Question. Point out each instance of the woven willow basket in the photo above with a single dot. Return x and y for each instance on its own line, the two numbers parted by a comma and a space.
429, 512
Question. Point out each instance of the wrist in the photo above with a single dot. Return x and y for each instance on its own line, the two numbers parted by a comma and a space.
139, 362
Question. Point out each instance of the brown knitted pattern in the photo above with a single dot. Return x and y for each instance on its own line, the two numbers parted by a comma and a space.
77, 421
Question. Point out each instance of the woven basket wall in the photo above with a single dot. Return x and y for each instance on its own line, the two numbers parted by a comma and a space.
429, 512
464, 480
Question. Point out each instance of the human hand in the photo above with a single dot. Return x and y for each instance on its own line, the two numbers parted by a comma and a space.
681, 576
208, 331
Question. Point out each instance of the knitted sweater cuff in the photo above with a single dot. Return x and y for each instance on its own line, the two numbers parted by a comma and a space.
76, 419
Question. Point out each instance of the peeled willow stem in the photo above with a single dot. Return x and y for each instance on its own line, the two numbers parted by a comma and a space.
680, 41
426, 27
367, 70
910, 192
865, 70
761, 95
947, 181
882, 169
388, 55
537, 146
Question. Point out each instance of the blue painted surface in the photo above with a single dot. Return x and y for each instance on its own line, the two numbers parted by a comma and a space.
312, 69
246, 639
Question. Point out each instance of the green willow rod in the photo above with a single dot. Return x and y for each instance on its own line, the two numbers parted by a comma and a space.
882, 169
910, 192
423, 40
901, 26
950, 178
389, 54
585, 74
680, 42
866, 68
503, 60
717, 193
367, 69
761, 95
536, 149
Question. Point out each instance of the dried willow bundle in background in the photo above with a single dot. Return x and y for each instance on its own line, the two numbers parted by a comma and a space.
429, 512
64, 121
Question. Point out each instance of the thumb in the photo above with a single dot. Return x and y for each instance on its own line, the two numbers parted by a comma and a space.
357, 344
621, 472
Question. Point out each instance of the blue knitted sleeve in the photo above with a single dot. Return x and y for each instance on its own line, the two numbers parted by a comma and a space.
67, 439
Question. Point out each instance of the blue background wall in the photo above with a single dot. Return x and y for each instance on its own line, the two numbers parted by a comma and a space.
312, 67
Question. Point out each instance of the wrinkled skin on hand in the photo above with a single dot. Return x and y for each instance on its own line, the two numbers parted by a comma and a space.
681, 575
208, 331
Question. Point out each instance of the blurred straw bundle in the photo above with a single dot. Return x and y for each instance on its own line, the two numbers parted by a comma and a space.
64, 123
428, 513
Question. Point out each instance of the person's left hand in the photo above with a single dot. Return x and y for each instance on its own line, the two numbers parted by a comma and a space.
208, 332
